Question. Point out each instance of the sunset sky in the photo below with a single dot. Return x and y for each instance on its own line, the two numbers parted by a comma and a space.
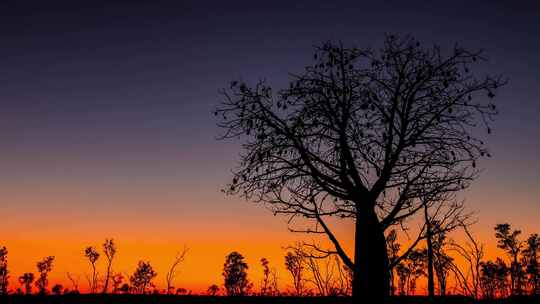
106, 125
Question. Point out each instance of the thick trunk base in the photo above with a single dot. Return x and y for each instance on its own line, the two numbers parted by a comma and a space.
371, 282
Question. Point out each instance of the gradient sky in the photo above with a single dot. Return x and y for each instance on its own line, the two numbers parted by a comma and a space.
106, 127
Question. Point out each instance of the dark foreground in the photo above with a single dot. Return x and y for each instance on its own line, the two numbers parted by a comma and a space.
170, 299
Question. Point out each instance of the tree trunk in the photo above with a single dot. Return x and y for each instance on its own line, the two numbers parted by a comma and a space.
107, 278
371, 281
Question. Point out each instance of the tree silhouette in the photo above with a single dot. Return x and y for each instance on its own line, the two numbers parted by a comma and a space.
117, 280
142, 277
109, 248
472, 253
44, 267
74, 282
447, 215
393, 248
442, 262
172, 270
125, 288
26, 280
57, 289
509, 242
92, 255
357, 136
265, 284
493, 279
4, 273
294, 263
530, 262
212, 290
409, 270
235, 275
488, 280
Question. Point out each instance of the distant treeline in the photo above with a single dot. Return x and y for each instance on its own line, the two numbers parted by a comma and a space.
458, 269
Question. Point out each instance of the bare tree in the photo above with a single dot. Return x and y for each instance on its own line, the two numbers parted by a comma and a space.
74, 282
172, 270
44, 267
4, 273
92, 255
357, 136
109, 248
324, 272
473, 253
26, 280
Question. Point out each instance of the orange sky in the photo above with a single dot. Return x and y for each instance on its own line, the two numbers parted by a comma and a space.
145, 234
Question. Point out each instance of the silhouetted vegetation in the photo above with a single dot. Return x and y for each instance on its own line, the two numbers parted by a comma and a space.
44, 267
315, 276
26, 280
370, 137
362, 135
142, 277
236, 282
92, 255
172, 270
4, 273
295, 266
109, 248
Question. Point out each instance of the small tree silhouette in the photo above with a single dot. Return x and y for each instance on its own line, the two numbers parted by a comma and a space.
473, 253
74, 282
294, 263
358, 135
488, 282
4, 273
235, 275
109, 248
57, 289
493, 279
172, 270
26, 280
265, 283
530, 262
409, 270
92, 255
142, 277
212, 290
44, 267
117, 280
509, 242
125, 288
393, 248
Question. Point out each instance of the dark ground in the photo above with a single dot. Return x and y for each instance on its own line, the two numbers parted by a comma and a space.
165, 299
